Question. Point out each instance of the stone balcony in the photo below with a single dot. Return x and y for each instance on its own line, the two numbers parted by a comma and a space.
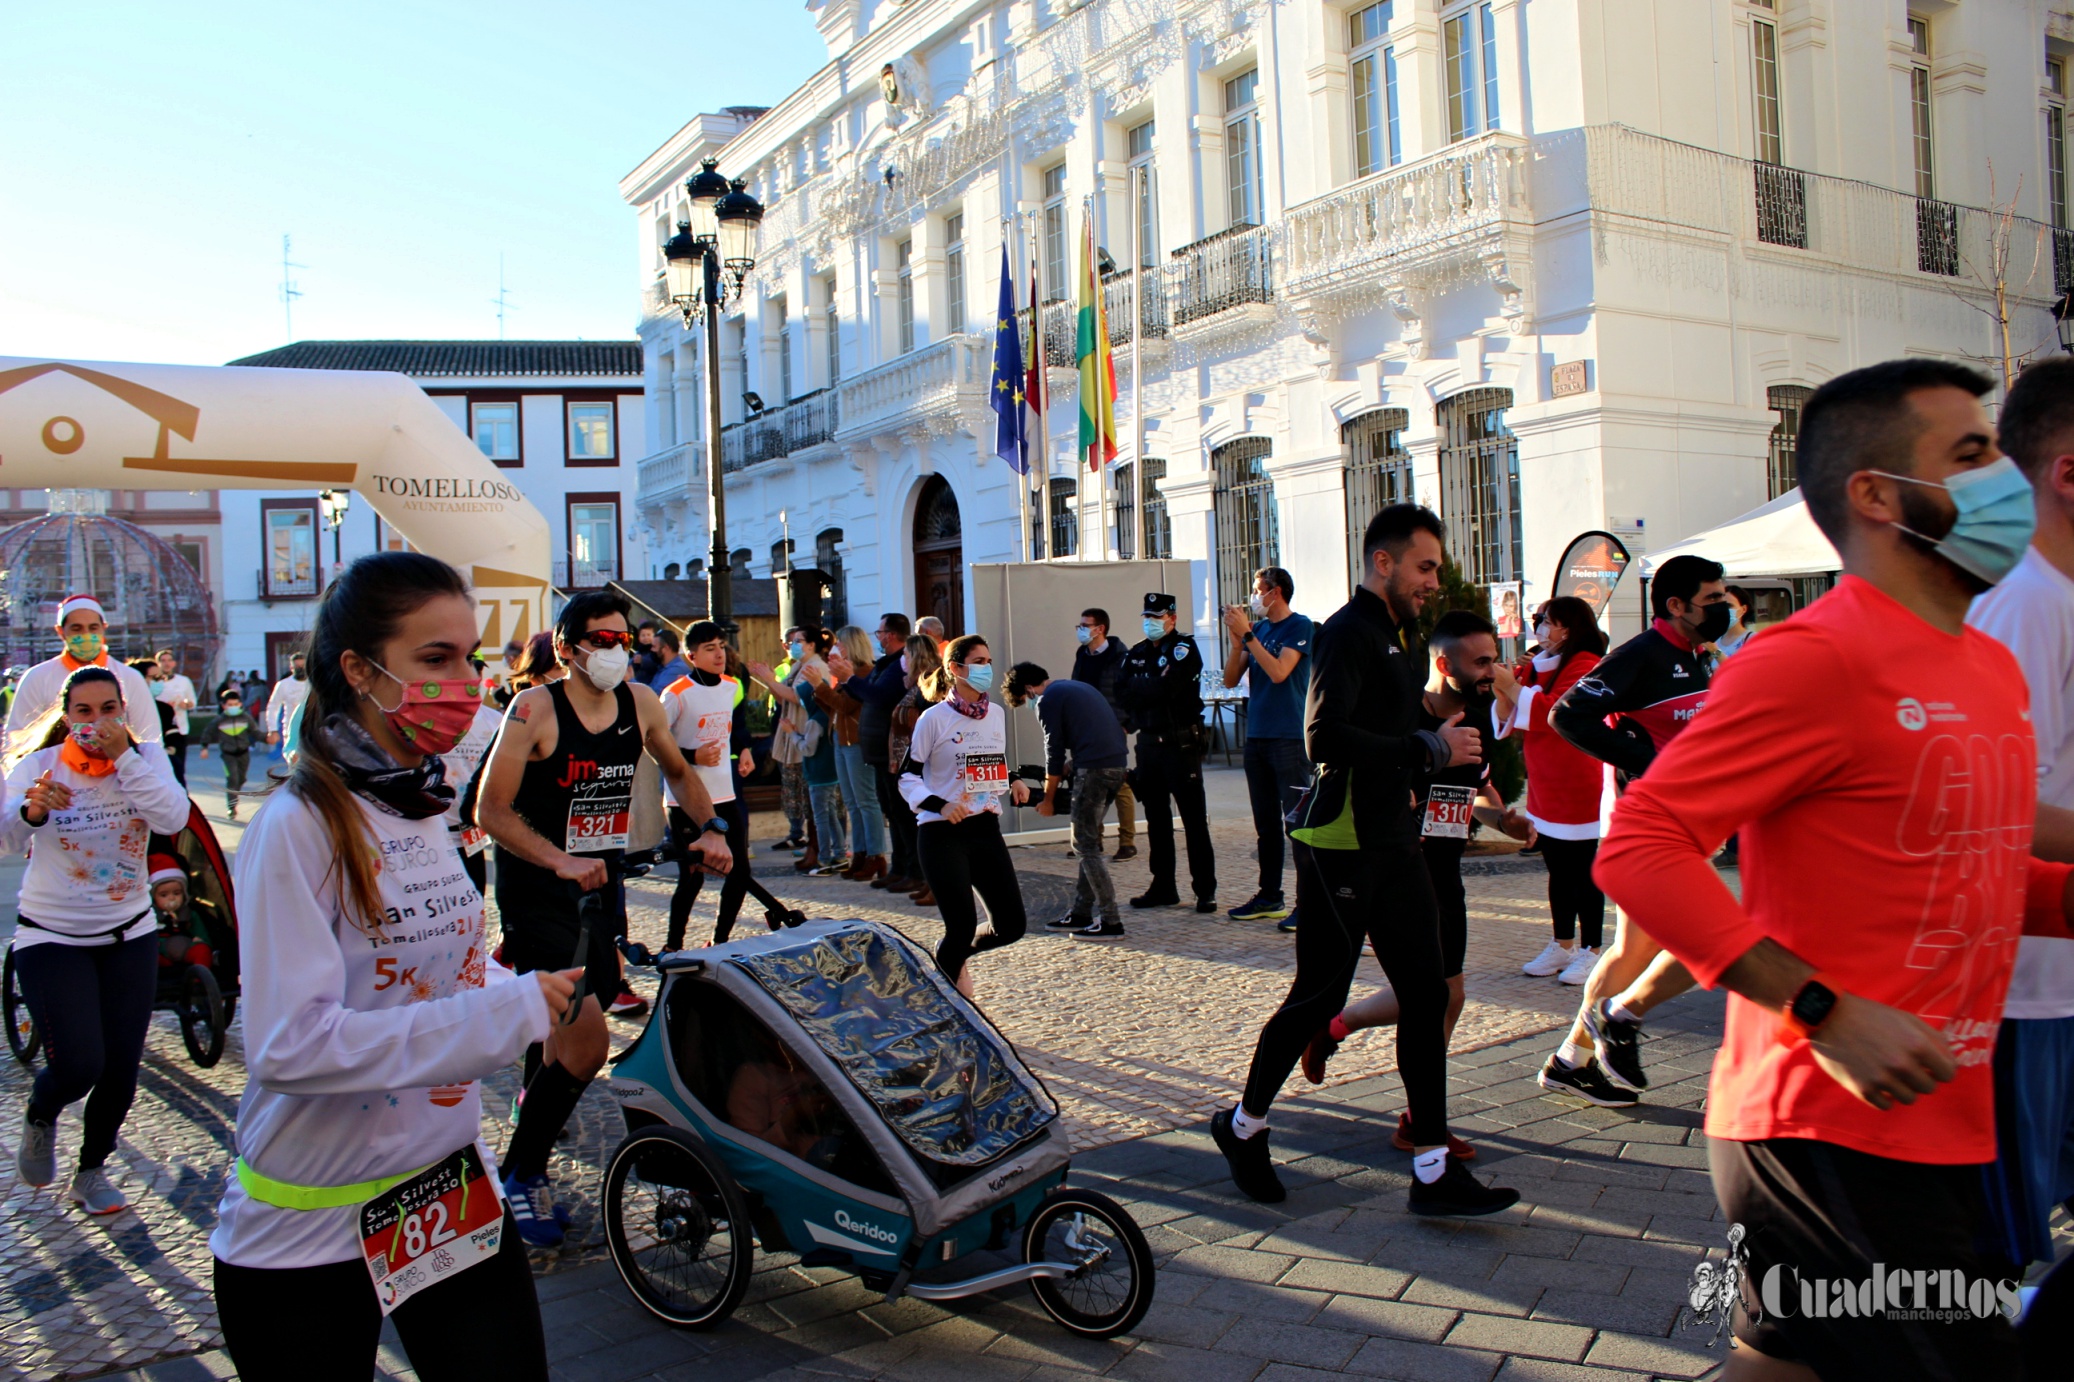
670, 476
938, 388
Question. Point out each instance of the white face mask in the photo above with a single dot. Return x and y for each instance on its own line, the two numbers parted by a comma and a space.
1257, 606
607, 667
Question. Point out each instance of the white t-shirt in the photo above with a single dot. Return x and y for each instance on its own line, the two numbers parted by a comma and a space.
178, 692
962, 759
89, 871
699, 715
362, 1051
465, 757
283, 701
2032, 614
42, 684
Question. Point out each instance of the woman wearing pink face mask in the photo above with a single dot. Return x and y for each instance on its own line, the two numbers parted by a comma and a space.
89, 797
372, 1008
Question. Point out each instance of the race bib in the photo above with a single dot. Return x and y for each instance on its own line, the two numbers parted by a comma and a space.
598, 827
983, 774
474, 839
440, 1222
1447, 812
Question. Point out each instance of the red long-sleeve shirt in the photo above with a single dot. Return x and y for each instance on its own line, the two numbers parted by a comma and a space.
1882, 776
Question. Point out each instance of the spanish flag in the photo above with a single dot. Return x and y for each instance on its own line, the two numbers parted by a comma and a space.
1097, 360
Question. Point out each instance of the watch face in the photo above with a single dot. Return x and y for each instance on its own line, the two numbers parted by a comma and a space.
1811, 1006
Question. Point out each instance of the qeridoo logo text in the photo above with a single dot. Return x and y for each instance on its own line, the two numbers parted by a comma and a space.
844, 1221
406, 488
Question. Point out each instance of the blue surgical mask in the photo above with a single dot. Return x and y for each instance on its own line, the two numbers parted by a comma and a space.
1154, 629
1995, 522
980, 678
879, 643
796, 651
1084, 633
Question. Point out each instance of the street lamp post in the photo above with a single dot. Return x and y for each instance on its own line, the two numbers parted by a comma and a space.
705, 264
2063, 320
334, 503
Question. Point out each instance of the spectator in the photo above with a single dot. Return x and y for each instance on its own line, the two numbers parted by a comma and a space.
1273, 657
1079, 727
930, 627
670, 647
1096, 662
648, 659
850, 651
877, 691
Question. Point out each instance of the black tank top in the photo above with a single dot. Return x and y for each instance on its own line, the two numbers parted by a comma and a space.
580, 797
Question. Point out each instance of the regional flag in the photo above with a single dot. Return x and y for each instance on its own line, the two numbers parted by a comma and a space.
1005, 388
1097, 360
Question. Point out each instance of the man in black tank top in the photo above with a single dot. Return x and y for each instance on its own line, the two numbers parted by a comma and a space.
557, 797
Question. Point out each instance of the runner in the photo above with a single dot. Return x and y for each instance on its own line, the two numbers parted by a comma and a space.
1358, 868
175, 691
1466, 662
1633, 703
371, 1010
83, 627
464, 762
557, 800
282, 706
86, 948
1887, 819
704, 710
231, 733
955, 772
1268, 655
1160, 690
2032, 614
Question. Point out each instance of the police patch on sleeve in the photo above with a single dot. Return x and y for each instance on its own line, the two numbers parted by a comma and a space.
1180, 651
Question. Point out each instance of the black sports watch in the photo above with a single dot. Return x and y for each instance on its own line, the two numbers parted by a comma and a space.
716, 826
1810, 1008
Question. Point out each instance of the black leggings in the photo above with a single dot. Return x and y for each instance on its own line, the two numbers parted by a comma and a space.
92, 1003
736, 882
900, 824
316, 1324
955, 860
1443, 858
1573, 899
1382, 893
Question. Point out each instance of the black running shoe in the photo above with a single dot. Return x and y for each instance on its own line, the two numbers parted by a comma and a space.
1100, 931
1587, 1082
1459, 1194
1252, 1169
1206, 905
1069, 922
1157, 898
1619, 1043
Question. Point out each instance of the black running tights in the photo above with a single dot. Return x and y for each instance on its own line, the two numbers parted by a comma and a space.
1573, 899
1379, 893
93, 1005
737, 881
957, 859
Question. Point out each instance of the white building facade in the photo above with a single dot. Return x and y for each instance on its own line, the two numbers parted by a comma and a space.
1547, 266
564, 419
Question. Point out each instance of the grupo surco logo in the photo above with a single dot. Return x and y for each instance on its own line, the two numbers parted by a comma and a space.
446, 492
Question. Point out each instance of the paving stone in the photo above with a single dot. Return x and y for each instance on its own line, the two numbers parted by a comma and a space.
1387, 1318
1636, 1314
1671, 1357
1502, 1334
1162, 1362
1491, 1297
1548, 1370
1413, 1362
1346, 1278
1309, 1345
1233, 1262
1255, 1300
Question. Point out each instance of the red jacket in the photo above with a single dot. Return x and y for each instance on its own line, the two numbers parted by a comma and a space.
1564, 783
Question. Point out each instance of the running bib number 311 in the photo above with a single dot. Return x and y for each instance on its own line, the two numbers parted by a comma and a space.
1447, 811
440, 1222
985, 774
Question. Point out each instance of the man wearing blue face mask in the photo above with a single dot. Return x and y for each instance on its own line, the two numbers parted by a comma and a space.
1159, 689
1097, 661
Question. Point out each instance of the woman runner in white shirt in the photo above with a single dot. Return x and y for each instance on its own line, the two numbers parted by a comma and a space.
955, 774
89, 796
372, 1008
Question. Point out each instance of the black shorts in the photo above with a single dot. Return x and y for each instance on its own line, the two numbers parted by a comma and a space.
541, 927
1820, 1218
1444, 866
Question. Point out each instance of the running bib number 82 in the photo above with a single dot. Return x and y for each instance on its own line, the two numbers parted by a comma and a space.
440, 1222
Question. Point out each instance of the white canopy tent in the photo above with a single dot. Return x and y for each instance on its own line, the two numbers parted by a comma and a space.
1777, 539
71, 425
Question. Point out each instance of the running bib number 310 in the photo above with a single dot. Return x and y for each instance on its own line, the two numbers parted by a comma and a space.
1447, 811
440, 1222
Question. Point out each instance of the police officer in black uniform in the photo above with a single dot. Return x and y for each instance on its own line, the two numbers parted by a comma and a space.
1159, 691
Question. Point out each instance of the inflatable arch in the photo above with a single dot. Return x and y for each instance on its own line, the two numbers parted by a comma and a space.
88, 425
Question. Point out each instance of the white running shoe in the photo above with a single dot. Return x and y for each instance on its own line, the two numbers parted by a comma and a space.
1579, 970
1553, 957
92, 1192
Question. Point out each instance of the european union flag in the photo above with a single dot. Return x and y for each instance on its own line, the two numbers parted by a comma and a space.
1005, 389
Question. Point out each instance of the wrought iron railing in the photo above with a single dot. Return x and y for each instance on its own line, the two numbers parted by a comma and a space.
578, 573
1782, 205
1937, 238
1152, 307
1229, 269
2062, 261
808, 420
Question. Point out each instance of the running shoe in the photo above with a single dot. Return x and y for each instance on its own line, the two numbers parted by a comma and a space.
831, 868
36, 1161
1287, 924
1401, 1140
92, 1192
1580, 968
1322, 1049
1100, 931
1206, 905
1587, 1082
1157, 897
1619, 1043
787, 845
1261, 908
1459, 1194
1549, 962
1125, 852
1069, 922
627, 1003
1252, 1168
532, 1205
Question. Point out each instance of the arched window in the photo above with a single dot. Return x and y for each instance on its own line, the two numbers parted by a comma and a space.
1378, 473
1248, 530
1479, 485
1781, 471
1065, 520
1136, 496
835, 606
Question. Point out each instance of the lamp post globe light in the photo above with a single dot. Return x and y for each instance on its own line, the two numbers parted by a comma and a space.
705, 264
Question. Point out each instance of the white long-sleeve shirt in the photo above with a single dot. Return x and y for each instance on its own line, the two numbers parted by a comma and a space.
363, 1050
178, 692
284, 700
41, 685
466, 756
961, 759
89, 872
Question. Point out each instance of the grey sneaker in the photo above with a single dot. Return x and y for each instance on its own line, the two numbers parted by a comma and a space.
37, 1161
92, 1192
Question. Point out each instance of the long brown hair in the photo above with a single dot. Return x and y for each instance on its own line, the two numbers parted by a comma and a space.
537, 665
1581, 631
925, 660
960, 648
49, 729
366, 604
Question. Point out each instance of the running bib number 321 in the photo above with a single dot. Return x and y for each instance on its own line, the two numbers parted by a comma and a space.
597, 827
440, 1222
1447, 811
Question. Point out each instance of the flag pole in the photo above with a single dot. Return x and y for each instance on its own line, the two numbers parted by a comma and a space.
1041, 468
1084, 470
1022, 480
1140, 176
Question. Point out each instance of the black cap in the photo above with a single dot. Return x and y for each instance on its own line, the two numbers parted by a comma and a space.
1159, 602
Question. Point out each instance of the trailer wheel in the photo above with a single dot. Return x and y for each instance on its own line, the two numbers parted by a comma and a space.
678, 1227
200, 1011
1113, 1288
22, 1037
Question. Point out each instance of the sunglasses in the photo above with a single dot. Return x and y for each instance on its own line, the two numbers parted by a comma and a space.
607, 638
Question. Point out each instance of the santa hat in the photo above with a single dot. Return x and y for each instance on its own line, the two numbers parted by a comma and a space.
166, 869
72, 602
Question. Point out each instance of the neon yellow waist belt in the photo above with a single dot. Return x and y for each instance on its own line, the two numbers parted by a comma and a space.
283, 1195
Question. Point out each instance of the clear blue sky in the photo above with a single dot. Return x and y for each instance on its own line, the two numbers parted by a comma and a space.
155, 154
